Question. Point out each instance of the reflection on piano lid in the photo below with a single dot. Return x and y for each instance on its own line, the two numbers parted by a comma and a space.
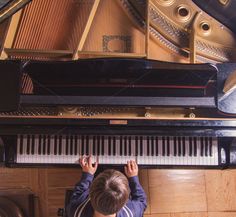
120, 82
130, 82
126, 82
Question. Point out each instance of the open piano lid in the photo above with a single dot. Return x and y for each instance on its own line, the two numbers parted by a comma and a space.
118, 81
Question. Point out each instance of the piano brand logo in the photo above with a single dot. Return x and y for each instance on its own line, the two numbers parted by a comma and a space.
118, 122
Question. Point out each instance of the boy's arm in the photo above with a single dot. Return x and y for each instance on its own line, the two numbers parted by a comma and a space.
137, 193
81, 190
80, 193
82, 186
138, 198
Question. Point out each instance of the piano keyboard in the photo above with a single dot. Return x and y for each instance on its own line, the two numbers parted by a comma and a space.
117, 149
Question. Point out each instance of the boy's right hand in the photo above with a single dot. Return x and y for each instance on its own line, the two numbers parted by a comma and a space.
131, 169
87, 165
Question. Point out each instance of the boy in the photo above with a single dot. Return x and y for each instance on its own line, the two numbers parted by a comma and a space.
111, 194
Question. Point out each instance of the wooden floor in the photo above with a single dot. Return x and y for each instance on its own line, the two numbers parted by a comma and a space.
171, 193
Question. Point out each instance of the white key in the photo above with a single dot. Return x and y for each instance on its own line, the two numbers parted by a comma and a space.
52, 148
90, 145
187, 157
18, 156
79, 146
106, 158
172, 160
117, 157
36, 147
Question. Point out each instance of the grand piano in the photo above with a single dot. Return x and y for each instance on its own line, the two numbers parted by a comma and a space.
115, 109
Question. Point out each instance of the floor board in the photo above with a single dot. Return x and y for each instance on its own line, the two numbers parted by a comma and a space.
170, 193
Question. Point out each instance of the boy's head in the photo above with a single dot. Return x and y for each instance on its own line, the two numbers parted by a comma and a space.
109, 192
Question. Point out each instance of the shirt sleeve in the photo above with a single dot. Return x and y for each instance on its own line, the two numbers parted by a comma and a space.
138, 199
80, 193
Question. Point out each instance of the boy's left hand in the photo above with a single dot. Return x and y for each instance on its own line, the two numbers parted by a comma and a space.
87, 165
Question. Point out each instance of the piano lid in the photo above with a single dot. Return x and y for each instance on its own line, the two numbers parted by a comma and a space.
121, 77
121, 82
118, 82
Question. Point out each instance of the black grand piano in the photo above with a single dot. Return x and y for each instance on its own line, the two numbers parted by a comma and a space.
52, 112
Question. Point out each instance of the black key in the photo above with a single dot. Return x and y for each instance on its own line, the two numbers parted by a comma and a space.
156, 139
195, 146
121, 145
125, 146
206, 146
109, 145
60, 145
33, 145
152, 146
99, 145
28, 145
175, 146
71, 145
55, 144
130, 146
179, 146
94, 145
49, 145
148, 146
163, 146
76, 144
114, 145
67, 144
44, 144
168, 145
210, 146
21, 144
136, 146
184, 146
40, 145
87, 145
190, 146
202, 145
141, 146
103, 152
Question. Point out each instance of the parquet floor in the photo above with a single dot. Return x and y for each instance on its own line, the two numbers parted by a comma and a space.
171, 193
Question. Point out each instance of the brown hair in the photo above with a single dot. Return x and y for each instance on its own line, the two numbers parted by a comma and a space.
109, 192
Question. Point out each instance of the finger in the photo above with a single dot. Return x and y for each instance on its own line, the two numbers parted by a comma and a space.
96, 165
129, 166
89, 160
132, 164
84, 161
135, 165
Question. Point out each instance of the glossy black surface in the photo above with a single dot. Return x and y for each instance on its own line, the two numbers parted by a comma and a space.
118, 82
120, 77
